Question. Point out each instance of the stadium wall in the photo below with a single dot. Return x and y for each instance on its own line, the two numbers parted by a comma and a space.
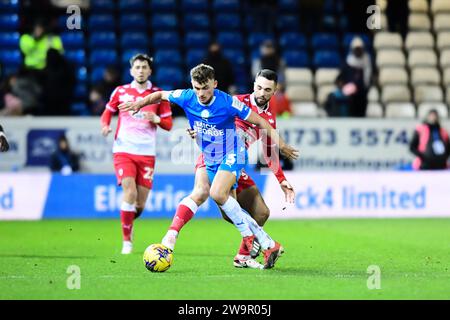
35, 196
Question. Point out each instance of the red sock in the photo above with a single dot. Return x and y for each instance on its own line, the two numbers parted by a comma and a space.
127, 218
243, 249
185, 212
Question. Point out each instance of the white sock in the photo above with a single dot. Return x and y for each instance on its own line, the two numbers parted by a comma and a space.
233, 210
264, 239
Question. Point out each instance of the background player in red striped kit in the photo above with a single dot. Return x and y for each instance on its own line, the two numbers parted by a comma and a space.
248, 194
135, 142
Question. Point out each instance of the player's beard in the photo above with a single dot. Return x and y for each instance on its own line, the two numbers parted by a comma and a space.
141, 82
261, 105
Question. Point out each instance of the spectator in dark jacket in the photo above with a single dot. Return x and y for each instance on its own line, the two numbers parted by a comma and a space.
64, 160
430, 143
222, 66
339, 101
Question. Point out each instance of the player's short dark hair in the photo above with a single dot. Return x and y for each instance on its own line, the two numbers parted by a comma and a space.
202, 73
141, 57
268, 74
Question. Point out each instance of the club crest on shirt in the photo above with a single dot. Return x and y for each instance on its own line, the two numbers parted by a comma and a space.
204, 115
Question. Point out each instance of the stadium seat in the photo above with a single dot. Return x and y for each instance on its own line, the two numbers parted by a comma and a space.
329, 7
255, 39
126, 76
195, 5
293, 40
79, 109
395, 93
438, 6
392, 76
323, 92
418, 6
9, 6
97, 74
9, 40
325, 76
419, 22
296, 59
227, 22
419, 40
169, 77
400, 110
81, 91
444, 59
374, 94
101, 22
131, 6
226, 5
103, 57
230, 40
422, 58
287, 5
73, 40
9, 22
308, 109
446, 77
428, 93
300, 93
236, 56
194, 57
374, 110
329, 23
10, 57
164, 22
167, 57
197, 21
77, 57
197, 40
82, 74
103, 40
425, 107
287, 22
387, 40
443, 40
327, 59
100, 6
133, 22
163, 6
390, 58
166, 40
134, 39
441, 22
298, 76
324, 41
424, 75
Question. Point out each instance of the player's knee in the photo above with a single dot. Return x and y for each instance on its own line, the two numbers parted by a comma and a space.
219, 196
200, 194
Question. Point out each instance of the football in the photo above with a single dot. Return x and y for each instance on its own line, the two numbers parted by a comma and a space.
158, 258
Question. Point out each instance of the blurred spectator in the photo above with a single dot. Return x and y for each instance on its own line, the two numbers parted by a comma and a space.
222, 67
59, 84
430, 144
269, 59
97, 100
358, 71
34, 46
21, 95
310, 14
4, 145
338, 102
397, 13
263, 13
281, 103
63, 160
110, 81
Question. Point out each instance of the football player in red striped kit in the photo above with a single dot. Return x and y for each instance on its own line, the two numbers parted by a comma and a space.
134, 146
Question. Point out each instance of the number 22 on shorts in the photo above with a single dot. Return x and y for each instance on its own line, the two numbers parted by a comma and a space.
148, 173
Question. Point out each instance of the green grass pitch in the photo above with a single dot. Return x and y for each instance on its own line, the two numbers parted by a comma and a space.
324, 259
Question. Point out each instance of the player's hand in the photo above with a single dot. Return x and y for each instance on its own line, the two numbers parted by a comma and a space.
152, 117
4, 145
192, 133
289, 152
106, 130
288, 191
130, 106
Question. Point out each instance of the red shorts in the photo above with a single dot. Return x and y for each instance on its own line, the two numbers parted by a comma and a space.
244, 181
138, 167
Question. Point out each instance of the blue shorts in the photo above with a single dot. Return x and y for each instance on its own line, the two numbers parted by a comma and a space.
230, 164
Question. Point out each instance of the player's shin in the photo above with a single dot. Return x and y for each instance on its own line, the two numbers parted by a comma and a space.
263, 238
234, 211
127, 214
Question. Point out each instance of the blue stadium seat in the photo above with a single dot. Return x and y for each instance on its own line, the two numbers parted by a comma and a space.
329, 7
287, 5
9, 40
167, 57
257, 38
164, 22
169, 40
97, 74
133, 22
231, 40
168, 78
126, 76
10, 57
82, 75
329, 23
10, 69
296, 58
197, 21
324, 41
132, 6
198, 40
227, 21
194, 5
103, 40
77, 57
194, 57
9, 22
103, 57
226, 5
9, 6
327, 59
101, 22
236, 57
348, 37
293, 40
79, 109
163, 5
288, 22
81, 91
134, 39
100, 6
73, 39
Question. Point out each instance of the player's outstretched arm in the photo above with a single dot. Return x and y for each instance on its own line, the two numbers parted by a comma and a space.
148, 99
289, 151
4, 145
